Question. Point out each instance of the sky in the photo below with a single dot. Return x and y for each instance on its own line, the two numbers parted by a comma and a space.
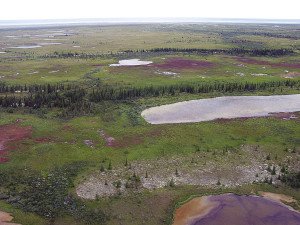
71, 9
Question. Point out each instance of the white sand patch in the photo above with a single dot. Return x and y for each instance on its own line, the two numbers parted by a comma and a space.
240, 74
34, 72
26, 46
166, 73
54, 71
221, 107
131, 62
49, 43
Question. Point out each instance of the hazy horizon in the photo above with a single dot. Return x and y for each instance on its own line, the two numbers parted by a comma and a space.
230, 9
95, 21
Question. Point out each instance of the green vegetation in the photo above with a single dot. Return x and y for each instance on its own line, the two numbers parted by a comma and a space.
83, 118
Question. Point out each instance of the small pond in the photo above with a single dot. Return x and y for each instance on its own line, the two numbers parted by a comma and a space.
235, 210
222, 107
131, 62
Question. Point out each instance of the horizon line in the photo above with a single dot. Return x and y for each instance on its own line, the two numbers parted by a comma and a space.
136, 20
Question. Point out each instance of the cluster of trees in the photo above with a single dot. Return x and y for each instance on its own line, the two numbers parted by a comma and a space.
42, 98
48, 88
80, 55
123, 93
290, 178
79, 98
47, 194
276, 35
199, 51
232, 51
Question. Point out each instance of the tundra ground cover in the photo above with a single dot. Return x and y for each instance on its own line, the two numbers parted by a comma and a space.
83, 129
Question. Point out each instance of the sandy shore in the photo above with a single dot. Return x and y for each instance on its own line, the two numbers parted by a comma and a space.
193, 210
238, 210
278, 197
6, 218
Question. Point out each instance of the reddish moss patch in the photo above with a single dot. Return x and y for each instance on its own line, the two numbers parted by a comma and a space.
10, 134
43, 140
108, 139
128, 141
67, 128
3, 160
179, 63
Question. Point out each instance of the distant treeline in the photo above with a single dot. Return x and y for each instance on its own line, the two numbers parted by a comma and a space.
199, 51
48, 88
275, 35
79, 98
232, 51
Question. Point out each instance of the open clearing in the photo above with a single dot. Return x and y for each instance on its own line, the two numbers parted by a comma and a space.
195, 170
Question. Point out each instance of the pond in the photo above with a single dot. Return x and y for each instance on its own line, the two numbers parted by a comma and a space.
235, 210
131, 62
221, 107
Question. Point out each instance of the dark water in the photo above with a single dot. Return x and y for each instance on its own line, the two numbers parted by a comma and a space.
248, 210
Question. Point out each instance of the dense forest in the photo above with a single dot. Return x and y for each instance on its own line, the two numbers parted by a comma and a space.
62, 95
199, 51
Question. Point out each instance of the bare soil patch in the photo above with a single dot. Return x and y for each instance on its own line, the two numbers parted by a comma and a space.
10, 134
68, 128
6, 218
280, 116
227, 170
108, 139
194, 209
291, 75
285, 116
278, 197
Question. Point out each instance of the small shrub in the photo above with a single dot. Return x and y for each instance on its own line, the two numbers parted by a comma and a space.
172, 183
